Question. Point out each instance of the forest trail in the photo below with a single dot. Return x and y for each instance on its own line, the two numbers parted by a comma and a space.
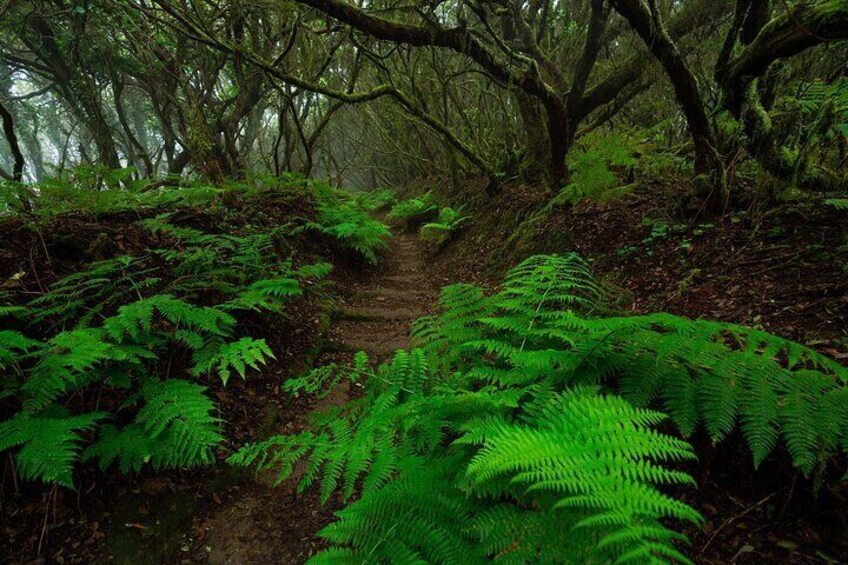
377, 315
260, 523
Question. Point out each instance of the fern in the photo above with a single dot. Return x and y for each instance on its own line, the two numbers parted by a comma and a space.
540, 327
174, 428
415, 210
340, 217
69, 361
524, 430
444, 465
110, 330
236, 356
376, 200
49, 443
14, 347
136, 319
597, 456
592, 169
87, 293
440, 231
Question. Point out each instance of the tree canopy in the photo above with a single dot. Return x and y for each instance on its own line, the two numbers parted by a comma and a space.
373, 93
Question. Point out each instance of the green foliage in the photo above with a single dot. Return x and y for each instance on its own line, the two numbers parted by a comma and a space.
592, 168
808, 130
174, 428
340, 216
448, 222
99, 190
838, 203
414, 211
49, 443
524, 429
825, 106
701, 373
238, 355
376, 200
126, 329
453, 470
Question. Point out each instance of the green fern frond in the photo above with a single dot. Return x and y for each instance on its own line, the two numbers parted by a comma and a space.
175, 428
340, 217
49, 443
136, 319
236, 356
68, 360
14, 346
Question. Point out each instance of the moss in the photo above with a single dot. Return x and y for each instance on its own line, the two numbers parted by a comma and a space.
535, 235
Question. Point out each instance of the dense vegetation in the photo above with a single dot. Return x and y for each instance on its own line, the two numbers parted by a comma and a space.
523, 430
118, 326
192, 192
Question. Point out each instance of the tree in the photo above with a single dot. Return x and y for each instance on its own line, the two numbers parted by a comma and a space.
756, 39
17, 174
520, 57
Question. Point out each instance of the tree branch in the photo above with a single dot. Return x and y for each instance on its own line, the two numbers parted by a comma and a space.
194, 32
458, 39
692, 16
804, 25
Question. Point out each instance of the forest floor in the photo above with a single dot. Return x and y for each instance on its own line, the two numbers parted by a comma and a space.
783, 272
223, 515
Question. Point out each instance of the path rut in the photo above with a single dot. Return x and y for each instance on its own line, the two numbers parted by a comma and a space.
377, 315
266, 524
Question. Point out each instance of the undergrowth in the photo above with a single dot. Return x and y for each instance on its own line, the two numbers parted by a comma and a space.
439, 232
113, 362
524, 427
414, 211
436, 224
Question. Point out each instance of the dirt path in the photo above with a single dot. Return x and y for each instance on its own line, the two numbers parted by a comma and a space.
259, 523
378, 314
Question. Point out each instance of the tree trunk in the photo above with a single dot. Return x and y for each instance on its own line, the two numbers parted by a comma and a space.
686, 89
535, 132
18, 157
100, 132
561, 135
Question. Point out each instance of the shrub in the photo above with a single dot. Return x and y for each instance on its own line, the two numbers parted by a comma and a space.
101, 365
376, 200
592, 168
415, 211
443, 229
340, 216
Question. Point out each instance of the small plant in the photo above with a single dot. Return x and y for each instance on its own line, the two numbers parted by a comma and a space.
376, 200
440, 231
592, 169
626, 250
415, 211
341, 217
